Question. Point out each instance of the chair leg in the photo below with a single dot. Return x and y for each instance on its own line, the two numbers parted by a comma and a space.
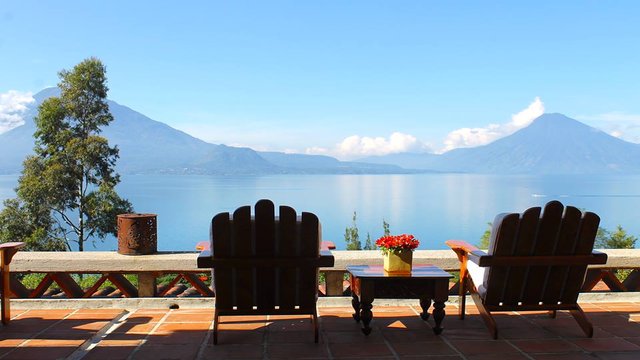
582, 320
5, 297
315, 325
462, 295
5, 310
486, 315
216, 319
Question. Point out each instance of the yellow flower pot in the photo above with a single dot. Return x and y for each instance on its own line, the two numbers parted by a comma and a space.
398, 262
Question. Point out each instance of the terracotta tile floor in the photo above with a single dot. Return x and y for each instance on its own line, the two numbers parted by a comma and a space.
398, 333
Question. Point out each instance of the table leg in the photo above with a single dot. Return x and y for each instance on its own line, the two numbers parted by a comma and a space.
366, 315
356, 307
425, 303
438, 316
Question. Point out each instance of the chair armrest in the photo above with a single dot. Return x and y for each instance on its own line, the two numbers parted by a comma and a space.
599, 257
204, 259
326, 259
327, 245
12, 245
478, 256
460, 245
8, 250
464, 250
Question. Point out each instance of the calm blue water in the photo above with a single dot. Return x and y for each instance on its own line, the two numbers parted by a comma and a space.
433, 207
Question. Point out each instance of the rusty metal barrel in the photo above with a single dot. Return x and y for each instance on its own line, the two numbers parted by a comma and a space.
137, 234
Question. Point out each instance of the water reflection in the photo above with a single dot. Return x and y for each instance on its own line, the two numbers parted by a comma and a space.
433, 207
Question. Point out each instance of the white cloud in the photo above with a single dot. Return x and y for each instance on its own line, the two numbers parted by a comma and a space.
616, 123
356, 146
470, 137
617, 133
13, 104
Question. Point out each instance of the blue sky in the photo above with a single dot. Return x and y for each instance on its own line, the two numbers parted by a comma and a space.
345, 78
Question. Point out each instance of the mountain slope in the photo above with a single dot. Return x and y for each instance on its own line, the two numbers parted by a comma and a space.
320, 164
149, 146
552, 144
17, 143
158, 148
146, 146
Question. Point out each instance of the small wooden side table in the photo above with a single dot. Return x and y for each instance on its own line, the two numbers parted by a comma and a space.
425, 282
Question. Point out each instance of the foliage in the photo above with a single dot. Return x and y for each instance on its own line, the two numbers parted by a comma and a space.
351, 236
29, 224
484, 239
368, 244
619, 239
397, 243
66, 193
385, 228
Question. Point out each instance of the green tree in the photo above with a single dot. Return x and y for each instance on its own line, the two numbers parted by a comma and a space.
28, 224
351, 236
66, 193
385, 228
619, 239
484, 239
368, 244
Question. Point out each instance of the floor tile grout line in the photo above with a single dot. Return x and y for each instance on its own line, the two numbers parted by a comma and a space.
151, 332
443, 337
205, 342
26, 341
387, 343
518, 349
265, 339
323, 335
92, 342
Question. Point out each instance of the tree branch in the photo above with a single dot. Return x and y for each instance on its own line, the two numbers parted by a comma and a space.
66, 220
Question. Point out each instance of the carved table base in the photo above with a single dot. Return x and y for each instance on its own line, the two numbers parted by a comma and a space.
426, 282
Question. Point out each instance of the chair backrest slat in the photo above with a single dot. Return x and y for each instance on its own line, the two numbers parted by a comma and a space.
222, 247
310, 229
265, 247
245, 279
289, 240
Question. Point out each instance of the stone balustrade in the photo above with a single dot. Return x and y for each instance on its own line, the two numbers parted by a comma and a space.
58, 267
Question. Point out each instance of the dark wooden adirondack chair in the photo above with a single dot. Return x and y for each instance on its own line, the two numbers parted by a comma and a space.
265, 265
7, 250
533, 263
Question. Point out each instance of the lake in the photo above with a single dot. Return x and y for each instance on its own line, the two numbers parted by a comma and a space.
433, 207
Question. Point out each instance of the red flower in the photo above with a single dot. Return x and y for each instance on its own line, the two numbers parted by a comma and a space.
397, 243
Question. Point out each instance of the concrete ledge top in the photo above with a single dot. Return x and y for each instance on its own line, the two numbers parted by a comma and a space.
209, 302
111, 261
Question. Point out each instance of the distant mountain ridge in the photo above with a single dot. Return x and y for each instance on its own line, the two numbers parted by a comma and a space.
551, 144
151, 147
